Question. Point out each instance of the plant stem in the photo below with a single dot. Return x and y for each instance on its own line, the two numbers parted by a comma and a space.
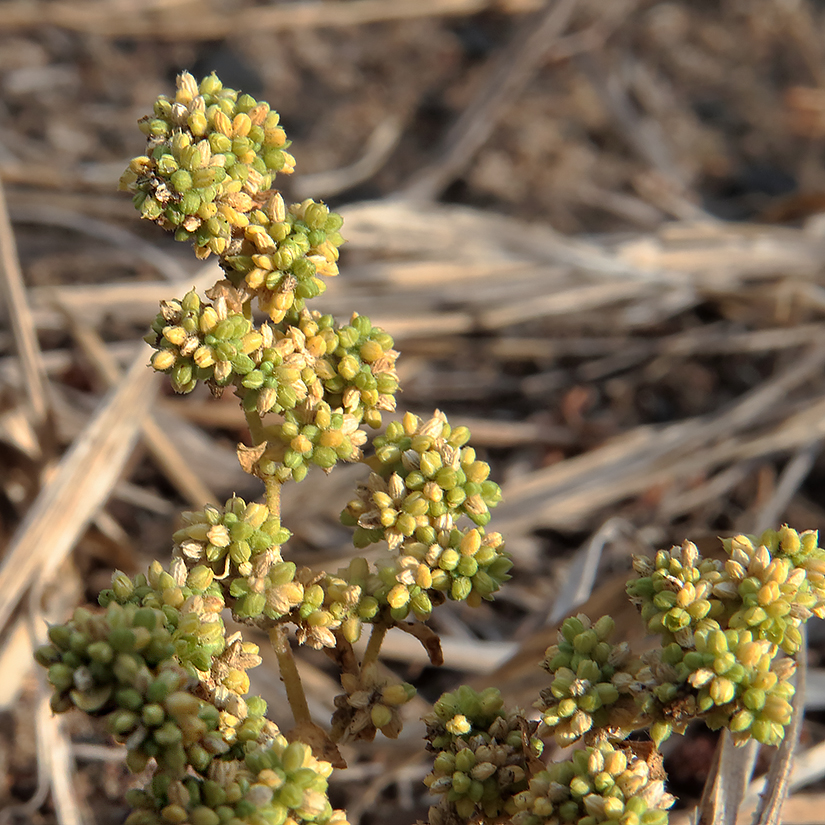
256, 427
379, 631
289, 675
273, 496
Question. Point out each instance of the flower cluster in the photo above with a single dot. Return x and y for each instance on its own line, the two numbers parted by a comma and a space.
482, 755
370, 702
678, 590
284, 373
723, 626
318, 604
120, 664
191, 602
358, 373
589, 676
320, 436
158, 666
768, 585
605, 783
277, 368
425, 481
211, 151
211, 160
238, 539
463, 567
429, 458
780, 579
200, 341
740, 683
238, 547
282, 254
278, 782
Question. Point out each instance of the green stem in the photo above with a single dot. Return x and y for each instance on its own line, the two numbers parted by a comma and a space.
256, 427
289, 675
379, 631
273, 496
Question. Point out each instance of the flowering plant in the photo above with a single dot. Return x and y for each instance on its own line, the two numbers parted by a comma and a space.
158, 662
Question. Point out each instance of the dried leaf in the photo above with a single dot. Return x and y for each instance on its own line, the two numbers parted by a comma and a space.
248, 457
322, 746
234, 298
429, 639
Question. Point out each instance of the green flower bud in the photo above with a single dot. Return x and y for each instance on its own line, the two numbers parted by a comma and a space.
250, 606
722, 690
659, 731
461, 588
380, 716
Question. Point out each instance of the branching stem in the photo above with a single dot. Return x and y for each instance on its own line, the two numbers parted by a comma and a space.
256, 427
289, 675
379, 631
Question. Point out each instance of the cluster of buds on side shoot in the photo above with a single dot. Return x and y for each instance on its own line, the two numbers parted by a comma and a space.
593, 683
483, 756
729, 632
601, 784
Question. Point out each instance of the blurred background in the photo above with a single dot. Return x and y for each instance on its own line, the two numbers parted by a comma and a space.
594, 230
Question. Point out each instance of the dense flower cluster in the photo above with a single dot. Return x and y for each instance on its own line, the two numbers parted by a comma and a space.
276, 782
234, 552
198, 341
158, 666
358, 373
425, 481
599, 784
431, 460
235, 540
318, 604
780, 578
211, 160
283, 254
482, 755
278, 368
211, 152
191, 602
723, 626
120, 664
589, 676
768, 585
319, 437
